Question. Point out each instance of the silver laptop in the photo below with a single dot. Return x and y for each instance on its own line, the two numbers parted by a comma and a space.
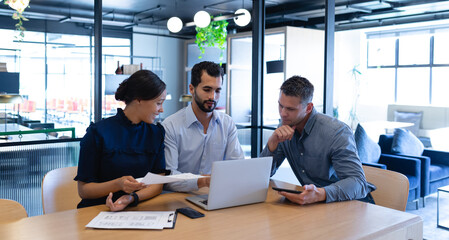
235, 183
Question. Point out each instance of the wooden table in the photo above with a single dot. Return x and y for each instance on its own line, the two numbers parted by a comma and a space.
276, 218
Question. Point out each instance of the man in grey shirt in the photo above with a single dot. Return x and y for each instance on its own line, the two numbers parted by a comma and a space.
320, 149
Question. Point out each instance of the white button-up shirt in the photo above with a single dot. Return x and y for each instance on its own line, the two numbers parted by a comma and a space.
189, 150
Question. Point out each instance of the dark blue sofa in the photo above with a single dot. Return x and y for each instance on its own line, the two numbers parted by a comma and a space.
434, 166
370, 154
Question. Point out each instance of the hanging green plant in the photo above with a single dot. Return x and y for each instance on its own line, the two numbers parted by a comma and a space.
19, 6
213, 35
355, 75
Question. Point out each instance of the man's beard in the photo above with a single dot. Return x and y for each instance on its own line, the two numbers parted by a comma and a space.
292, 124
297, 121
201, 105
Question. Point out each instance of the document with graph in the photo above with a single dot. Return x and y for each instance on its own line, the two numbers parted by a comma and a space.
134, 220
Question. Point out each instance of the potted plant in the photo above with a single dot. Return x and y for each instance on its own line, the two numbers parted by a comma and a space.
213, 35
353, 118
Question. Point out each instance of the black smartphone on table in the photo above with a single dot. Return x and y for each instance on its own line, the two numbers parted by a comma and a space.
287, 190
190, 212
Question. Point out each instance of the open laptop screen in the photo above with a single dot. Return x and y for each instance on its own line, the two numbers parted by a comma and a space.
237, 182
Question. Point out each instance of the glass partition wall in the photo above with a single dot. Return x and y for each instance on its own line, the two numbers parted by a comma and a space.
239, 95
69, 80
212, 54
236, 62
288, 51
56, 76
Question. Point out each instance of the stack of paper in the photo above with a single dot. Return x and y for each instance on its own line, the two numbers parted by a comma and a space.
3, 67
134, 220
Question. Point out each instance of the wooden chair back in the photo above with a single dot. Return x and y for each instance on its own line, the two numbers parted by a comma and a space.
59, 190
11, 211
392, 187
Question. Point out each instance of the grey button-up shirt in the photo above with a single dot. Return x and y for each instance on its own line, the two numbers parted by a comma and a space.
325, 155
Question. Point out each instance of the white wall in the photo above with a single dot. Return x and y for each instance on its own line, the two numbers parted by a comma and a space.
171, 52
347, 56
350, 52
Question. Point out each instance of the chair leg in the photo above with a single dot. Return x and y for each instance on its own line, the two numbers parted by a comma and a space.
424, 202
417, 204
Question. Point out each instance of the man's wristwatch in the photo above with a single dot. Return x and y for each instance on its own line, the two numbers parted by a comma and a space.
136, 199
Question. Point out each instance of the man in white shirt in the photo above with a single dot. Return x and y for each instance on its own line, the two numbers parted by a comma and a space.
197, 135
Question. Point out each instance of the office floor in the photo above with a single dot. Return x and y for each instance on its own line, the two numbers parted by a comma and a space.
429, 216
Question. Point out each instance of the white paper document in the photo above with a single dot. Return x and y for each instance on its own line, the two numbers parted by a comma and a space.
134, 220
152, 178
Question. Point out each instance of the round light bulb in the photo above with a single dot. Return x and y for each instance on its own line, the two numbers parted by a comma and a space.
201, 19
19, 6
242, 20
174, 24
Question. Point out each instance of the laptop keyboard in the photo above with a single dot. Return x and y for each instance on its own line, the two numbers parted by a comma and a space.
204, 202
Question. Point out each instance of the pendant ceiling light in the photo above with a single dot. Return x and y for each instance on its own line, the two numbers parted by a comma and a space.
174, 24
18, 5
244, 19
201, 19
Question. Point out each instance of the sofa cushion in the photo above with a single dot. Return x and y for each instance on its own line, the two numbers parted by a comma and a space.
438, 171
369, 151
385, 142
410, 117
405, 143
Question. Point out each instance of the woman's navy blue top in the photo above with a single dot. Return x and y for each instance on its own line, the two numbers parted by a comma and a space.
115, 147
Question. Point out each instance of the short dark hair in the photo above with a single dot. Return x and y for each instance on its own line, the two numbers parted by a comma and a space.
211, 68
142, 85
297, 86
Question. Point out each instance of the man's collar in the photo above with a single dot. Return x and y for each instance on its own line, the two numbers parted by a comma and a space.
191, 118
311, 121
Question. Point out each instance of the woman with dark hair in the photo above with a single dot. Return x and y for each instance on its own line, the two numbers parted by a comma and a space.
117, 150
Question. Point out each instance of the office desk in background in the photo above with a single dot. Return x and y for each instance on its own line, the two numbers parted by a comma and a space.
14, 127
386, 126
274, 219
376, 128
10, 127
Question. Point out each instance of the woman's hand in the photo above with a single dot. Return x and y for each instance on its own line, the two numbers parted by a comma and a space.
120, 204
128, 184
